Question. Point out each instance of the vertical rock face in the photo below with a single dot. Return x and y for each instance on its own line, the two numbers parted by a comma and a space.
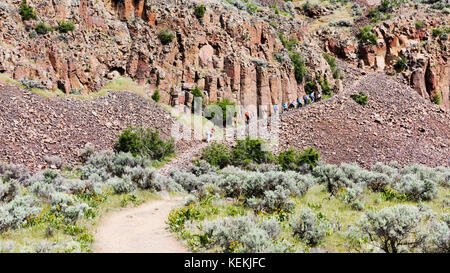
228, 54
426, 55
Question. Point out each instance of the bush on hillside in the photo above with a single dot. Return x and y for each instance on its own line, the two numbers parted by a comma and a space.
65, 26
295, 160
144, 142
400, 65
366, 35
199, 11
26, 11
360, 98
156, 96
251, 150
42, 28
166, 37
223, 104
217, 154
300, 68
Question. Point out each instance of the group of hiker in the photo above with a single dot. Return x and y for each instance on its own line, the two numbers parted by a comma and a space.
301, 102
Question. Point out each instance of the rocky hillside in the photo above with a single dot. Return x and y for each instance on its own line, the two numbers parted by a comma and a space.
394, 125
34, 127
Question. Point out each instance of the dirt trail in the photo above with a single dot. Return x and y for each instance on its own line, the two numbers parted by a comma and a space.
139, 230
143, 229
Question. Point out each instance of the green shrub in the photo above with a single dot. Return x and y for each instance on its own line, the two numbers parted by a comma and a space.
288, 44
156, 97
440, 32
310, 87
419, 24
42, 28
65, 26
437, 98
144, 142
393, 229
199, 11
294, 160
326, 88
217, 154
366, 35
223, 104
26, 11
360, 98
250, 150
400, 65
299, 66
310, 227
166, 37
197, 93
337, 74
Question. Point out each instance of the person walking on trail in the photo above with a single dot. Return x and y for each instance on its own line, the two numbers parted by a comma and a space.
292, 105
285, 108
209, 134
299, 102
247, 118
311, 96
306, 99
275, 109
319, 96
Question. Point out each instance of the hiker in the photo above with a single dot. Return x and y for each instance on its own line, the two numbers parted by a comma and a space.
209, 134
299, 102
285, 108
247, 118
292, 105
311, 96
275, 109
306, 99
319, 96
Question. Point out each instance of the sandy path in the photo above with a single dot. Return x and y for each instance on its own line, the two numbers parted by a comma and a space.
138, 230
143, 229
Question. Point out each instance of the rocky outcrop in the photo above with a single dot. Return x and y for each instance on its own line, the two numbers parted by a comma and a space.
426, 55
228, 54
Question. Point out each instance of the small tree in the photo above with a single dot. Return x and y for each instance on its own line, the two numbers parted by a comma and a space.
437, 98
366, 35
360, 98
224, 104
250, 150
26, 11
294, 160
419, 24
42, 28
166, 37
299, 66
217, 154
156, 97
400, 65
197, 93
65, 26
144, 142
199, 11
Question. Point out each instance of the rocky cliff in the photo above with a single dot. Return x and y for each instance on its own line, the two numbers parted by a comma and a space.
411, 33
228, 53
